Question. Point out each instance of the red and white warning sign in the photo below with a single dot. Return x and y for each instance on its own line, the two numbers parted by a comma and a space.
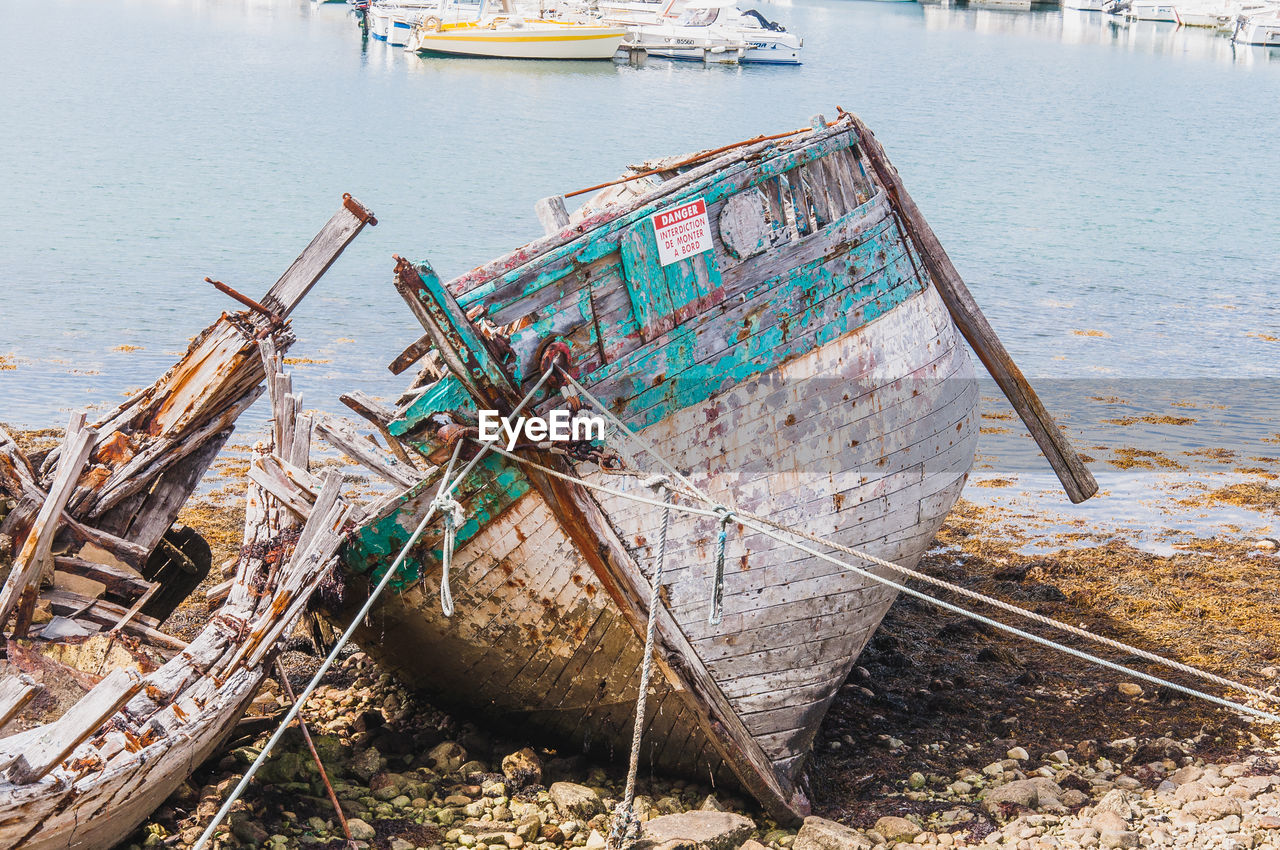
682, 231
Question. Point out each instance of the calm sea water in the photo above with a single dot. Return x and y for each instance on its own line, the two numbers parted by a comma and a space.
1110, 193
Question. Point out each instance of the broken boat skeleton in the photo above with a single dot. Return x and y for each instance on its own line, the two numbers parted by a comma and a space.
94, 509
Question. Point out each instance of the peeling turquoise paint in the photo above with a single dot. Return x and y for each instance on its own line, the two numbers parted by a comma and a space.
801, 308
489, 490
446, 394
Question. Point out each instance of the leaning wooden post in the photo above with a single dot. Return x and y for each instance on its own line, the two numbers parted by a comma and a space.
1074, 475
23, 583
552, 214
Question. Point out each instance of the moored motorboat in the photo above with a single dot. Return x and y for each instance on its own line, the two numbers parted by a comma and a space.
775, 320
1143, 10
392, 22
500, 32
711, 31
1261, 30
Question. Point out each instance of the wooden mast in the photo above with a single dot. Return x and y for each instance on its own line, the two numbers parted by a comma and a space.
1076, 479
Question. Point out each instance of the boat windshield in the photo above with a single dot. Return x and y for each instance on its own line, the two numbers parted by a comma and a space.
698, 17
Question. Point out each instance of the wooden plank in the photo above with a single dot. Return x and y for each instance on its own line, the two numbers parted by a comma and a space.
552, 214
1076, 479
344, 439
157, 509
32, 558
15, 693
412, 354
314, 261
119, 582
143, 468
380, 416
96, 610
646, 281
58, 739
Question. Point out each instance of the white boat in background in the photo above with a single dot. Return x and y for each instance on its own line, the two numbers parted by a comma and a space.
710, 31
393, 22
500, 32
1084, 5
1262, 30
1208, 15
1143, 10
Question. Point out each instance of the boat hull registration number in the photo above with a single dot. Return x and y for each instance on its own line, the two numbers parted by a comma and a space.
682, 231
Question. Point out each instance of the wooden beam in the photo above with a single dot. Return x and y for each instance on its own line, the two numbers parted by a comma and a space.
415, 352
344, 439
29, 565
379, 416
119, 582
552, 214
316, 258
15, 693
60, 738
1074, 475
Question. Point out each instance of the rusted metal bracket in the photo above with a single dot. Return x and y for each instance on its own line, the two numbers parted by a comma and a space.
276, 320
358, 209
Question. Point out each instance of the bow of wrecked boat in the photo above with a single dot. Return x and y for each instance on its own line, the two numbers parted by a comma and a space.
766, 323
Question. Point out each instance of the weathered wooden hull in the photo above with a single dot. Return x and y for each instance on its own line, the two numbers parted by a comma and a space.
803, 370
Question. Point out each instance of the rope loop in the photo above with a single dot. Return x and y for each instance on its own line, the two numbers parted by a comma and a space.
451, 510
657, 482
725, 516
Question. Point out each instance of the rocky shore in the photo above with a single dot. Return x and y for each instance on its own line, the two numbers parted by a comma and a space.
947, 733
408, 776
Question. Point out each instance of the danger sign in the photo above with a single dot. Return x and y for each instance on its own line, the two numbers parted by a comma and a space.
682, 231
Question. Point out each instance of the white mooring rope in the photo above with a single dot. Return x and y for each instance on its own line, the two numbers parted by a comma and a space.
626, 822
772, 528
762, 526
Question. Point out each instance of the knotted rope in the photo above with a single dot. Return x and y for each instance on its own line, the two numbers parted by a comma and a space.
451, 511
626, 824
717, 589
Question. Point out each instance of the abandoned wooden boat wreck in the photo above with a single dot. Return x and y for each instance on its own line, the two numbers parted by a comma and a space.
776, 319
95, 564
